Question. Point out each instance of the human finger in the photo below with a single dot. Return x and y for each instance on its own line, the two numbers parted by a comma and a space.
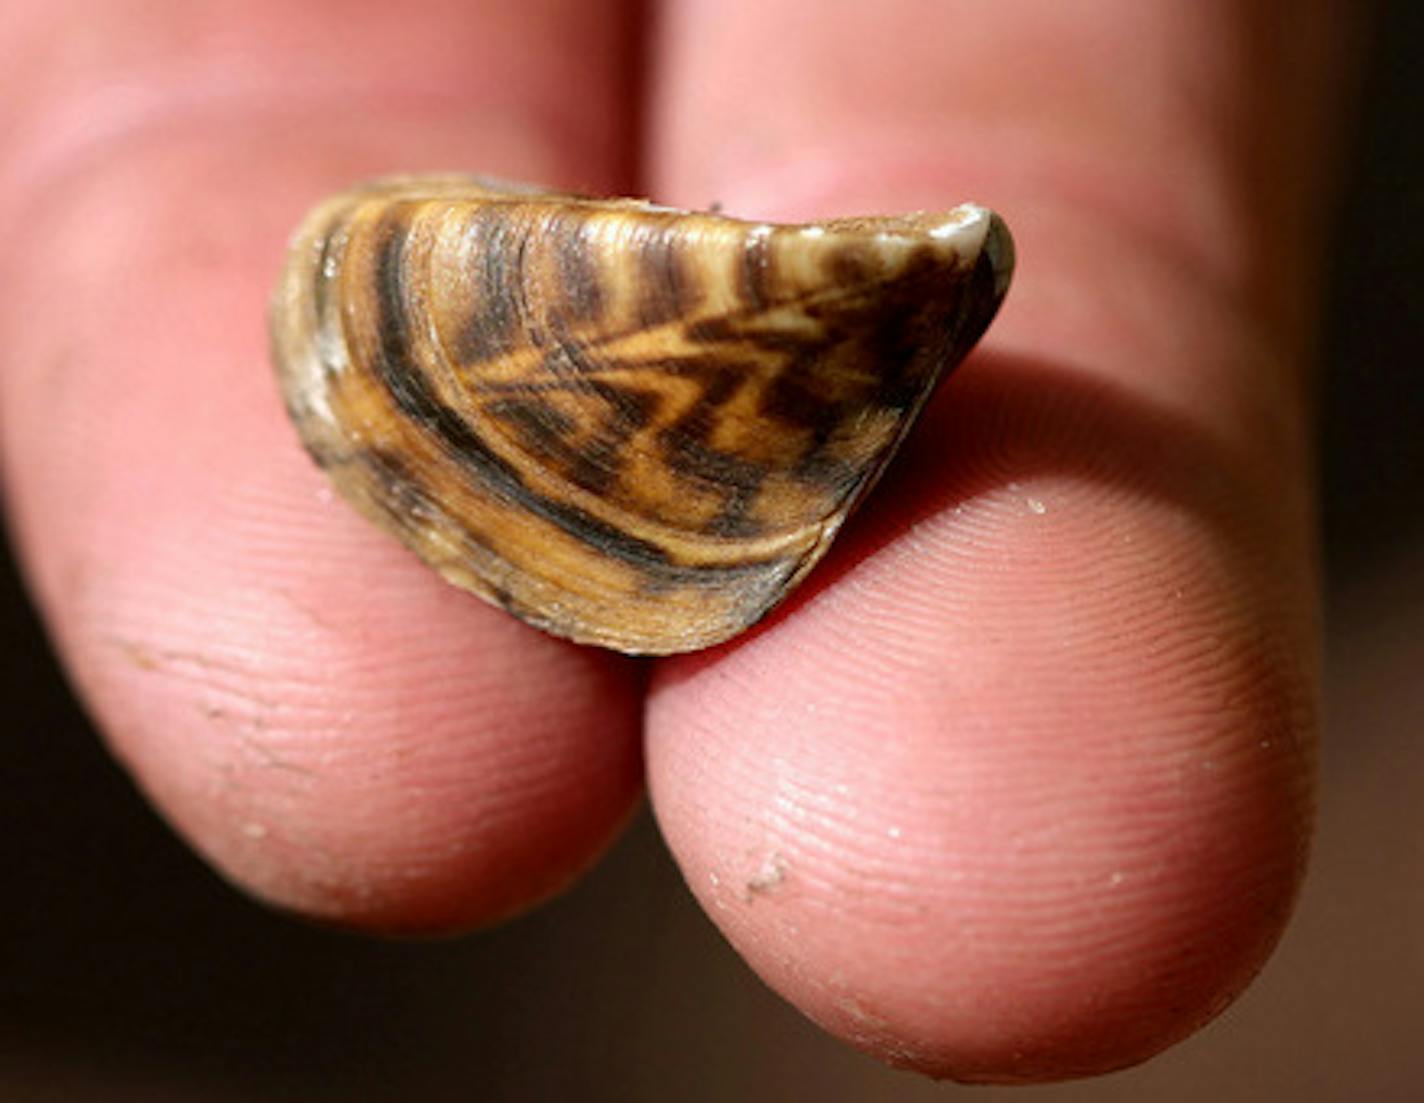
1020, 786
315, 712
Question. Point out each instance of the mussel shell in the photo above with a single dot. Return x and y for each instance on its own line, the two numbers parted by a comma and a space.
628, 425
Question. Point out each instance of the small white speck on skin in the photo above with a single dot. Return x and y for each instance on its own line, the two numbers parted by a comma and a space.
1035, 506
769, 877
893, 832
254, 830
1117, 878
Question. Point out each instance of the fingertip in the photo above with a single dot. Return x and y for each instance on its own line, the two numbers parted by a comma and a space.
336, 730
1022, 790
982, 896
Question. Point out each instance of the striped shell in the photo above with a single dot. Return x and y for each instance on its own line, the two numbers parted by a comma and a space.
628, 425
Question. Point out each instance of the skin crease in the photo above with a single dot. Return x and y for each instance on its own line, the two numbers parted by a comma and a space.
1017, 788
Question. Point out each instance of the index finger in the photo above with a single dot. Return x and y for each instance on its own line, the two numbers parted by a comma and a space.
1019, 788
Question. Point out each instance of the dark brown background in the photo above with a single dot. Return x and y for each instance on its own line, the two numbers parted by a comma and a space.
128, 971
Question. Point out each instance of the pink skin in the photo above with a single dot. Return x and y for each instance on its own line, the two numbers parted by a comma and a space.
1018, 787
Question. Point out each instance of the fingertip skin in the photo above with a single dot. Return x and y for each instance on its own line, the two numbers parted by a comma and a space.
979, 874
315, 714
1025, 792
